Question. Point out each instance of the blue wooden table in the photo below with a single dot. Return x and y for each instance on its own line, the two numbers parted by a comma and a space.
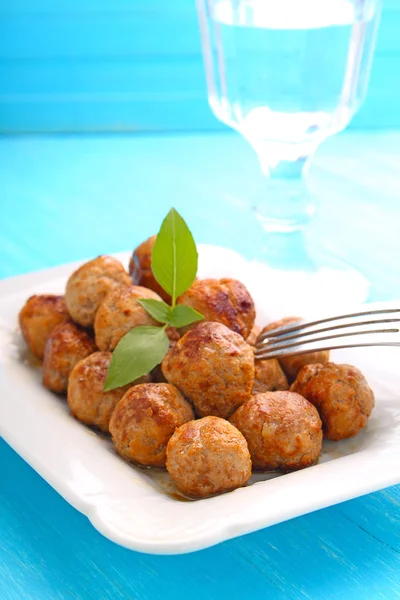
66, 198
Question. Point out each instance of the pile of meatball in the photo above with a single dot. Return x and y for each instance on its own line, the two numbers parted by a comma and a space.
210, 413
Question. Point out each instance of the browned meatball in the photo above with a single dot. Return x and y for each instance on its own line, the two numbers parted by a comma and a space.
140, 268
254, 333
66, 346
283, 431
269, 377
87, 399
144, 420
207, 457
89, 284
340, 393
37, 319
226, 301
119, 313
213, 367
292, 364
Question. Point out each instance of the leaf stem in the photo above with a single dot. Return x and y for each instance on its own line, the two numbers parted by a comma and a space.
174, 263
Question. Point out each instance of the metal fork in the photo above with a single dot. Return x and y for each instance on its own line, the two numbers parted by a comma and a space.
380, 327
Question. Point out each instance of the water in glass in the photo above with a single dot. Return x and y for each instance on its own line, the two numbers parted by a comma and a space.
287, 73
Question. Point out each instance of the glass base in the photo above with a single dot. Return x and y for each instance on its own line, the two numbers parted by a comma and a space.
285, 203
279, 222
296, 279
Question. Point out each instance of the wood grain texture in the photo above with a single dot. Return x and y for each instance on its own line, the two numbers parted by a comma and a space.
153, 94
66, 198
170, 31
126, 66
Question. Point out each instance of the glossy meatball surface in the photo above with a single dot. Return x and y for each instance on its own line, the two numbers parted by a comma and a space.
37, 319
87, 400
208, 456
144, 420
213, 367
119, 313
292, 364
89, 284
225, 301
340, 393
65, 347
283, 430
269, 377
140, 268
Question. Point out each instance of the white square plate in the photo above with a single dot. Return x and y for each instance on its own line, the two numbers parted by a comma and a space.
140, 508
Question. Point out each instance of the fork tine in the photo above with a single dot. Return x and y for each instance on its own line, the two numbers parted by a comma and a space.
387, 337
283, 344
337, 346
283, 338
300, 325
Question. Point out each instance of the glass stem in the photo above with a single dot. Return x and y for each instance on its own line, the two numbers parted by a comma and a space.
286, 204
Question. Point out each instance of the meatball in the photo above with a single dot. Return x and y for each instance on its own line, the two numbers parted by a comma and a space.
87, 399
38, 318
144, 420
226, 301
207, 457
89, 284
269, 377
253, 335
292, 364
140, 268
283, 430
213, 367
119, 313
340, 393
66, 346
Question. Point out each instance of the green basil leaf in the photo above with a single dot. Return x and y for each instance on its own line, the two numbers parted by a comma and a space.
160, 311
136, 354
182, 315
174, 257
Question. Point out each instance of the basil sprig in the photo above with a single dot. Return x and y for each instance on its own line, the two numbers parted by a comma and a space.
174, 266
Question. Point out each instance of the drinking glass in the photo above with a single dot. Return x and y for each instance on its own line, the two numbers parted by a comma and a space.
287, 74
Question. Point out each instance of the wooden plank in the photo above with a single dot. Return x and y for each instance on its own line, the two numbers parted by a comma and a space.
130, 115
96, 6
107, 115
47, 7
144, 77
134, 33
148, 69
87, 81
135, 96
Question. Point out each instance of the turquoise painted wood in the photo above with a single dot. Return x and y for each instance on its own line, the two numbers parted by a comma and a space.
134, 66
65, 198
